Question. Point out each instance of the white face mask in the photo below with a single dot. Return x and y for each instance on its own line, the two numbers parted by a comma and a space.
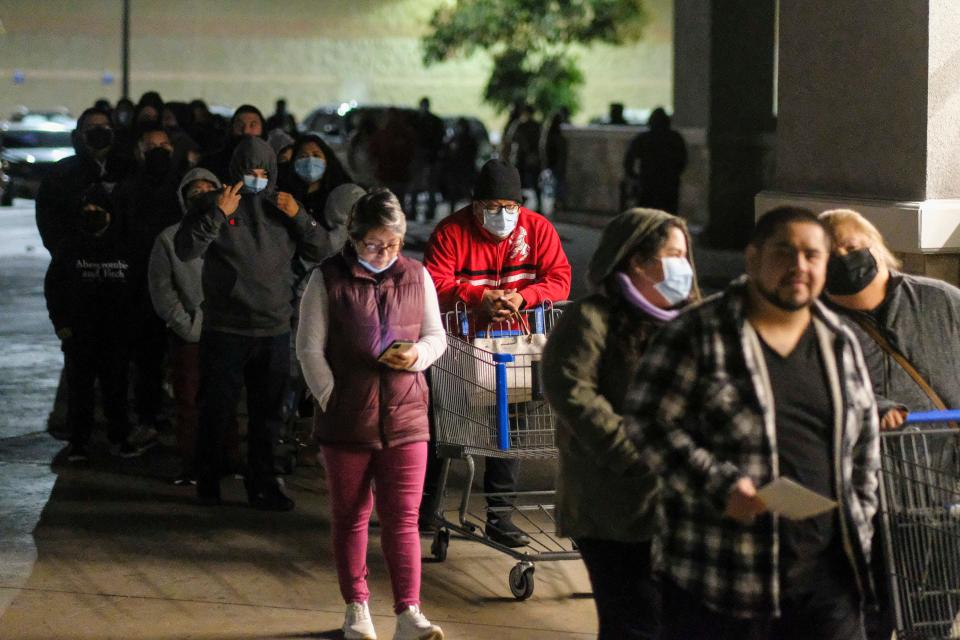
254, 184
369, 267
677, 280
499, 222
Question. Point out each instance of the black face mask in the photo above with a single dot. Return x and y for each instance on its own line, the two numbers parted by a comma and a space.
156, 162
850, 274
203, 202
98, 138
94, 221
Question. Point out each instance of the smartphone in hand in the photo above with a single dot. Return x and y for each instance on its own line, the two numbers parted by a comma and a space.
396, 346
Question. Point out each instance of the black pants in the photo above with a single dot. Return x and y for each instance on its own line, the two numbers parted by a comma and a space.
87, 360
625, 590
149, 349
500, 475
227, 363
818, 614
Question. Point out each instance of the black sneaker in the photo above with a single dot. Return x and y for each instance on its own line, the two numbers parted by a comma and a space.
77, 453
267, 496
503, 531
208, 492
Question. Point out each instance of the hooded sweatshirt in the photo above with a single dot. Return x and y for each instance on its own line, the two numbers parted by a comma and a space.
175, 285
247, 258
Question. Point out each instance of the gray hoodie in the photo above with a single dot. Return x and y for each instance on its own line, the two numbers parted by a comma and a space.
174, 284
248, 258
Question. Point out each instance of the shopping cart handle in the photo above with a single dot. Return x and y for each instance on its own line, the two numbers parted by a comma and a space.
924, 417
502, 413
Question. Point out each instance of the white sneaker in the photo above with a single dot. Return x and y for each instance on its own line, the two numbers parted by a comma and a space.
142, 436
357, 624
413, 625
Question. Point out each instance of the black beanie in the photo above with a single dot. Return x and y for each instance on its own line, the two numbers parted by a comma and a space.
498, 180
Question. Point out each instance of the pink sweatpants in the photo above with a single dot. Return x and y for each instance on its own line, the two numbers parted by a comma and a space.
398, 474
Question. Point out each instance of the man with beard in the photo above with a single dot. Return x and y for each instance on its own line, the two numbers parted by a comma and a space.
147, 203
759, 383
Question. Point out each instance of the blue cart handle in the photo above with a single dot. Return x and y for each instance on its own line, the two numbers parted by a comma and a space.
503, 417
925, 417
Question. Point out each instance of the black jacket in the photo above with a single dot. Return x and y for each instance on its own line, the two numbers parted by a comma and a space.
88, 286
58, 199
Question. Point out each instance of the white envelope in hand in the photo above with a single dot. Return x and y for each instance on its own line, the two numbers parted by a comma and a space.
792, 500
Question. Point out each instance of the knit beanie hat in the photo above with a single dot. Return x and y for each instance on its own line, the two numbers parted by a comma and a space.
498, 180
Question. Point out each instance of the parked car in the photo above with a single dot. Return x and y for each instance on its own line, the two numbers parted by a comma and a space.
6, 196
29, 149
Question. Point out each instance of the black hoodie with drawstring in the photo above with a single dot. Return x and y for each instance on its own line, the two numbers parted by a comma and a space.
247, 257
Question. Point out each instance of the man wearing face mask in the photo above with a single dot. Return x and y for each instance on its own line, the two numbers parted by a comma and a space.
88, 293
497, 257
147, 204
902, 321
248, 240
95, 161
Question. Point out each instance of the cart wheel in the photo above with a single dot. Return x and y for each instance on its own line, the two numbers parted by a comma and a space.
441, 540
521, 580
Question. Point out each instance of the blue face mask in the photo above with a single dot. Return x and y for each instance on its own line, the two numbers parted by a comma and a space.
310, 169
677, 280
369, 267
254, 184
499, 222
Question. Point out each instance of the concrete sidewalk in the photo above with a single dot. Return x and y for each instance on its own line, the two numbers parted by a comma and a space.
124, 555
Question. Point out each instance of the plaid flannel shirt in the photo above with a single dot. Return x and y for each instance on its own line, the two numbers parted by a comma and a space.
701, 413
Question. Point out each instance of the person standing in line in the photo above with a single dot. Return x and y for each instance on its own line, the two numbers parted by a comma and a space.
89, 292
372, 418
177, 296
248, 240
761, 383
642, 276
496, 257
903, 322
147, 204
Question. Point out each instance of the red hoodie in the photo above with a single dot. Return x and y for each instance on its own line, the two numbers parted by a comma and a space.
464, 260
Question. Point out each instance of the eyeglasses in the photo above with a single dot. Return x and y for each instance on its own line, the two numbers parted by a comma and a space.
375, 248
512, 209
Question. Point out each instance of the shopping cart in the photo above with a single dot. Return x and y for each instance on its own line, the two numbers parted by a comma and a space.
491, 405
920, 516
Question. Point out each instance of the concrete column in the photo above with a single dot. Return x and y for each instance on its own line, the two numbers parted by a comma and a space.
723, 84
869, 118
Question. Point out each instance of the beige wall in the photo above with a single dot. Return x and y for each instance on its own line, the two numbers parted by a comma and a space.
313, 52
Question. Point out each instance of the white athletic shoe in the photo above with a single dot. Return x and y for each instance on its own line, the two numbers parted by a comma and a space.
413, 625
357, 624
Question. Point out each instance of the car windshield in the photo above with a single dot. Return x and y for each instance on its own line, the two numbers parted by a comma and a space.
29, 139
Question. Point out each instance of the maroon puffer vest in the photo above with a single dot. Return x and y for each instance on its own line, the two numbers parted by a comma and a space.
372, 405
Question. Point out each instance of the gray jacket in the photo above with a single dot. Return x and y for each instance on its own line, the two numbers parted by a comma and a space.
175, 288
921, 318
247, 259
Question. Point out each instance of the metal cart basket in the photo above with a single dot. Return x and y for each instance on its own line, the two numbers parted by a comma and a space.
920, 516
491, 405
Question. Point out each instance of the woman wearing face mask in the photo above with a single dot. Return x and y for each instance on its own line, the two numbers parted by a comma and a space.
606, 501
313, 173
892, 312
372, 422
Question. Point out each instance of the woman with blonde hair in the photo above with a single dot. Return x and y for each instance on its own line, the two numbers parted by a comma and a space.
909, 329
